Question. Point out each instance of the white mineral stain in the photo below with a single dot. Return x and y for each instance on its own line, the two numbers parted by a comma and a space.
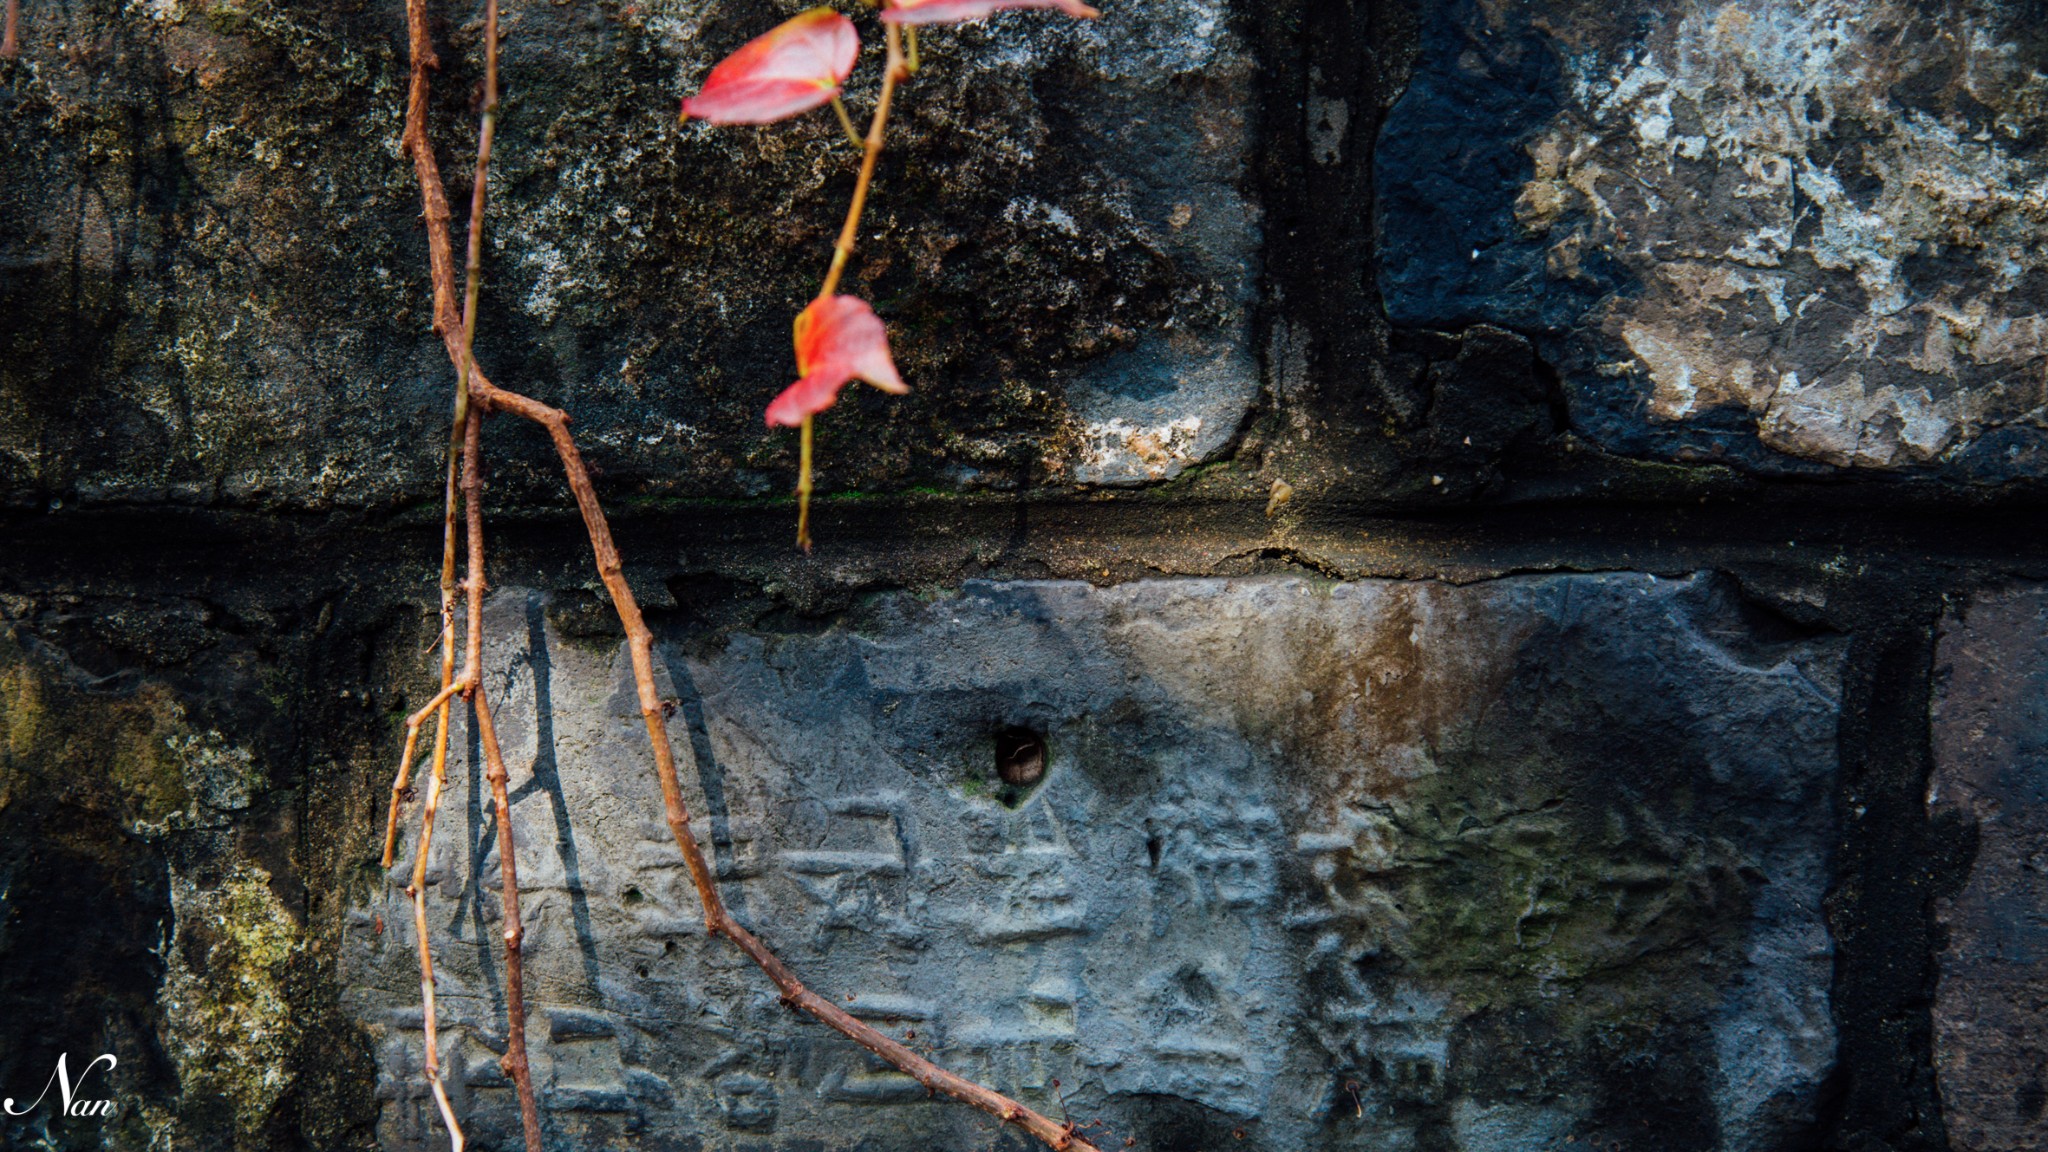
1119, 448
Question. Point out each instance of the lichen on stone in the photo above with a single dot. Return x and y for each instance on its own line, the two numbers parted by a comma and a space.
227, 1021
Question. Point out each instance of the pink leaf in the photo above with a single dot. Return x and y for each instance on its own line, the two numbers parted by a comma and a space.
792, 68
807, 397
838, 338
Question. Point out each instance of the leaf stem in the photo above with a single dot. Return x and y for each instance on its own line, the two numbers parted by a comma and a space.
894, 72
842, 249
803, 486
846, 121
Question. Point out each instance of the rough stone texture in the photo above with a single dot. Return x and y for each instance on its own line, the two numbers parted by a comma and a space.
1794, 235
1608, 860
1376, 864
1991, 758
154, 873
216, 283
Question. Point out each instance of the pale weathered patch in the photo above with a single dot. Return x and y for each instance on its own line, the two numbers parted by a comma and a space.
1751, 99
1824, 215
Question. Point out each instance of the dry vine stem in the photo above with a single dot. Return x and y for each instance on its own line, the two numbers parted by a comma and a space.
457, 332
467, 436
10, 40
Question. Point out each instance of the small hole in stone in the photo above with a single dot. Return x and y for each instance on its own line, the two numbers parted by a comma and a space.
633, 896
667, 946
1020, 757
643, 971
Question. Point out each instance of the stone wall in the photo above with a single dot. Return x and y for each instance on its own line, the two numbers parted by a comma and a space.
1516, 527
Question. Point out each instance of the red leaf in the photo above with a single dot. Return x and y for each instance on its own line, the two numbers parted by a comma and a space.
838, 338
955, 11
792, 68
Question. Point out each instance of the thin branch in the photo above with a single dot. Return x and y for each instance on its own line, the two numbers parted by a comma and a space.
415, 119
640, 641
486, 131
417, 890
846, 122
433, 1064
514, 1061
401, 788
717, 920
10, 40
468, 433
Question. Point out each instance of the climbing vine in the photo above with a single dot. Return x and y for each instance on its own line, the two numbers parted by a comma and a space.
794, 68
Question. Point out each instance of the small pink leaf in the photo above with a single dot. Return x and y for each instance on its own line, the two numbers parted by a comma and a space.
792, 68
838, 338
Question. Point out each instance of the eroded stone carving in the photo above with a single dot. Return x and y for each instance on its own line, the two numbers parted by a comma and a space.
1403, 863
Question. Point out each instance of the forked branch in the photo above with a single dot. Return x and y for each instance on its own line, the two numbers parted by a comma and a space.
417, 891
456, 332
466, 435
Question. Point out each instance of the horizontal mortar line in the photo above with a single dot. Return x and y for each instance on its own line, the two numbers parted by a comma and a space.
1106, 539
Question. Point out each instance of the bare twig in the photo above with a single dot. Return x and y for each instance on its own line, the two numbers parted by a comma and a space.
417, 890
514, 1061
401, 788
467, 433
639, 640
486, 131
433, 1063
896, 70
10, 40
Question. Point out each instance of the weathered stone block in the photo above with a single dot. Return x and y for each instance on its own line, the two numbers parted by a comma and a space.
1376, 864
1991, 770
1795, 235
216, 280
